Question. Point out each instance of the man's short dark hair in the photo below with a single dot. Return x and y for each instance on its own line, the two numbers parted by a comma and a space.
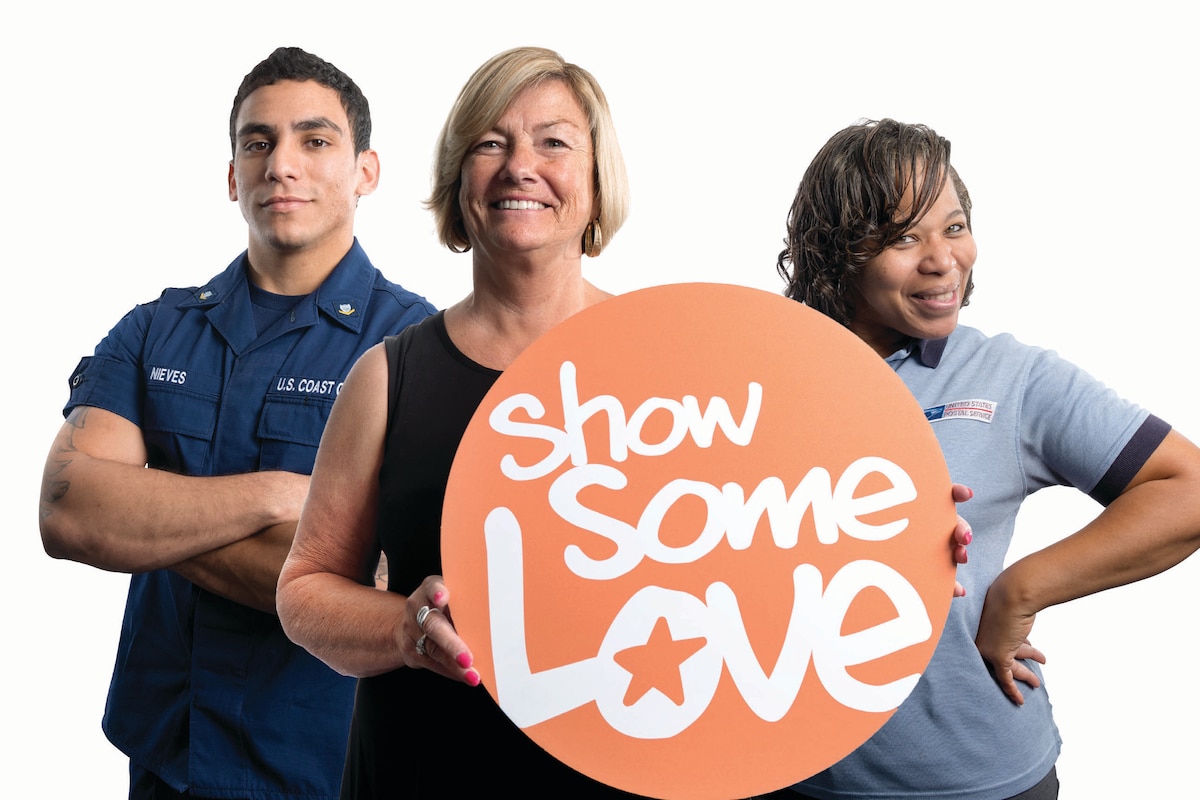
294, 64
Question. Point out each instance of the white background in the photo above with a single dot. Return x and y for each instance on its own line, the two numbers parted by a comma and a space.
1073, 125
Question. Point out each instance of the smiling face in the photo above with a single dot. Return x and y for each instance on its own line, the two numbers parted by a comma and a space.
527, 184
295, 174
914, 288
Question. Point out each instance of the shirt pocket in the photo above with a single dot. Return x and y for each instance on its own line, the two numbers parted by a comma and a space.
179, 421
290, 431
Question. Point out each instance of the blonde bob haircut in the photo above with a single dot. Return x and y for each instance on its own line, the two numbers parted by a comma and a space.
484, 99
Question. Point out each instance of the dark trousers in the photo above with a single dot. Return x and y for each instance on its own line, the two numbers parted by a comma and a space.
1046, 789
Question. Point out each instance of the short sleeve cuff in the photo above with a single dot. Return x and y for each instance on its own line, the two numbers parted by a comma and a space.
106, 383
1131, 459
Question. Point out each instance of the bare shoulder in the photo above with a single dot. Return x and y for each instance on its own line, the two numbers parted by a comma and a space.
366, 385
359, 417
369, 372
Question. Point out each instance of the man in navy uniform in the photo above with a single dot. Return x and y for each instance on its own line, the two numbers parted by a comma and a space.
222, 391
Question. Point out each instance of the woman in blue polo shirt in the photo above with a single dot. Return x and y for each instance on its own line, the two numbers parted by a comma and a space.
879, 238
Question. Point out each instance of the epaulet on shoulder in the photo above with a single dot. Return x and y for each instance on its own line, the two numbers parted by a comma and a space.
403, 296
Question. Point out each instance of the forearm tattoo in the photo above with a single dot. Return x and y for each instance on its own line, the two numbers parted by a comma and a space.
55, 488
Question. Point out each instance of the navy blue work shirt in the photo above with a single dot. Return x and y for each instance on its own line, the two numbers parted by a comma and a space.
209, 694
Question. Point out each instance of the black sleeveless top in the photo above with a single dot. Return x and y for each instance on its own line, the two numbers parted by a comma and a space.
416, 734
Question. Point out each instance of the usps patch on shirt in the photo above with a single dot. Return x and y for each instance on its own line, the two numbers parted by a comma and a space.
978, 410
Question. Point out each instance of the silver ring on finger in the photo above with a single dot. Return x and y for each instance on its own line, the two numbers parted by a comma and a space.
421, 645
423, 615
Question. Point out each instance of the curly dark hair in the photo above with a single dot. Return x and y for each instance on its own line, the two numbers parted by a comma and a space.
294, 64
851, 205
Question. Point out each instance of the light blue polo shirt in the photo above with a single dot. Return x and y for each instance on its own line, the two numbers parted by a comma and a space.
1011, 419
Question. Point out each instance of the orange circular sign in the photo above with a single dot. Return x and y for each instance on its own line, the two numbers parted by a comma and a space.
698, 538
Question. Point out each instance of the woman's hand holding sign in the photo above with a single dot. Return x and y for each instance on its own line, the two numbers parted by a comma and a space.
435, 644
962, 533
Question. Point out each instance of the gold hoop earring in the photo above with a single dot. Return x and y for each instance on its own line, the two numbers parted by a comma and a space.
593, 239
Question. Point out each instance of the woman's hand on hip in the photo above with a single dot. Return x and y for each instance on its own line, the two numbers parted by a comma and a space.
1003, 641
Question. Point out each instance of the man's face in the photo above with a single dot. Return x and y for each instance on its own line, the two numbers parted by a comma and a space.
294, 172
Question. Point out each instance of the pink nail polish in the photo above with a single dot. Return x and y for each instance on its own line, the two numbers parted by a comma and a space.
970, 536
464, 660
472, 678
437, 596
